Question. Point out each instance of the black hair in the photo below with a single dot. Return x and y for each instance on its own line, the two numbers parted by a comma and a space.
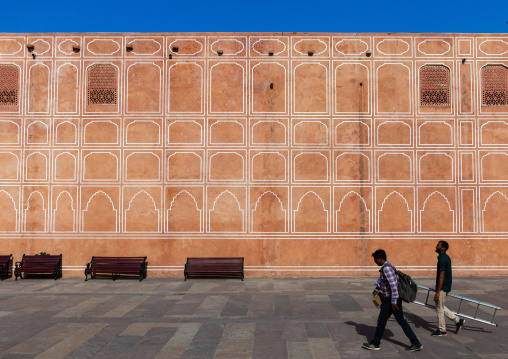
379, 254
445, 245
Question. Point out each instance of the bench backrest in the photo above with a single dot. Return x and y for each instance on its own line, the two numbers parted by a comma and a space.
5, 261
237, 261
118, 260
41, 259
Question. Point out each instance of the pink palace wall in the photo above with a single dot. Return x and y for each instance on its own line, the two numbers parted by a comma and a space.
303, 153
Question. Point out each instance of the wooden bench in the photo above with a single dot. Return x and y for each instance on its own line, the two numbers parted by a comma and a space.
116, 266
39, 264
214, 266
5, 266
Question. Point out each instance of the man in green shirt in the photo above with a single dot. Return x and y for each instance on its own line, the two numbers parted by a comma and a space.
443, 287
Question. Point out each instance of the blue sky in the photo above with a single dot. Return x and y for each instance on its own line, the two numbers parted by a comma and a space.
487, 16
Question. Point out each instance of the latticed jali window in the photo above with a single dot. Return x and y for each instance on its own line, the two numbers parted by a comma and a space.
434, 85
495, 85
102, 85
9, 85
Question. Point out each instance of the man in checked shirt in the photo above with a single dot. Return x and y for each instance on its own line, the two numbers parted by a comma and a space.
392, 304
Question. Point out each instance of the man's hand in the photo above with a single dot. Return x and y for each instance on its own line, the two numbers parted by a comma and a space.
436, 297
395, 306
375, 292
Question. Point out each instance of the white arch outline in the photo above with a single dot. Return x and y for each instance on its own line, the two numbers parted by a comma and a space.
311, 153
75, 167
481, 165
395, 153
155, 208
213, 209
26, 168
327, 100
335, 82
16, 220
256, 207
186, 180
186, 143
391, 122
17, 166
57, 82
28, 134
227, 143
435, 144
263, 143
75, 133
146, 153
410, 92
352, 153
382, 205
29, 88
210, 80
201, 86
298, 209
340, 206
485, 207
72, 208
285, 84
449, 209
481, 133
18, 133
96, 152
351, 143
439, 180
310, 144
43, 208
227, 179
197, 208
86, 210
160, 87
142, 143
95, 122
270, 180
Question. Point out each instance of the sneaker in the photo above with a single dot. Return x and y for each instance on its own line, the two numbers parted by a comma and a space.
370, 346
438, 333
414, 348
459, 325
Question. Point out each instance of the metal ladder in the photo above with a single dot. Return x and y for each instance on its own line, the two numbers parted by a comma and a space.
477, 303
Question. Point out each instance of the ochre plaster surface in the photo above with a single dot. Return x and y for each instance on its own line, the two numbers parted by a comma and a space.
303, 153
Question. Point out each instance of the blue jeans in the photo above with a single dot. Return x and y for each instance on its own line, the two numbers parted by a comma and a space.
384, 315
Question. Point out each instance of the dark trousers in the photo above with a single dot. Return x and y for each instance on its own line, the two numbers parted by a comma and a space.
384, 315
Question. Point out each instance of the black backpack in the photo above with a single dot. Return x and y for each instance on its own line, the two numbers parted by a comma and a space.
406, 286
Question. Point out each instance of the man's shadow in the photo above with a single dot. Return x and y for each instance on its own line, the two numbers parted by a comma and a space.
419, 322
368, 331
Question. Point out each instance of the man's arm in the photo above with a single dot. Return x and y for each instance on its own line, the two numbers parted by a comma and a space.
440, 280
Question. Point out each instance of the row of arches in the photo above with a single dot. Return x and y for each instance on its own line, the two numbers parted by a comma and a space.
231, 166
226, 214
233, 132
227, 87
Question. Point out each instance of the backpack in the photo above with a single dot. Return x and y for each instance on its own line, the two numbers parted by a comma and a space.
406, 286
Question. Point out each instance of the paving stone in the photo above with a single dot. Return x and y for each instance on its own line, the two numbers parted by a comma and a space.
316, 330
119, 345
229, 319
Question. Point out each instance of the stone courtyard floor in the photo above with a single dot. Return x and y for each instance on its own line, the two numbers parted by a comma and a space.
227, 318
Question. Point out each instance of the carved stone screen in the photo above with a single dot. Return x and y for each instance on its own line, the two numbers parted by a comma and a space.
303, 153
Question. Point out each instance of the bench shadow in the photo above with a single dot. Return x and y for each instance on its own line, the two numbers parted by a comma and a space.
368, 332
